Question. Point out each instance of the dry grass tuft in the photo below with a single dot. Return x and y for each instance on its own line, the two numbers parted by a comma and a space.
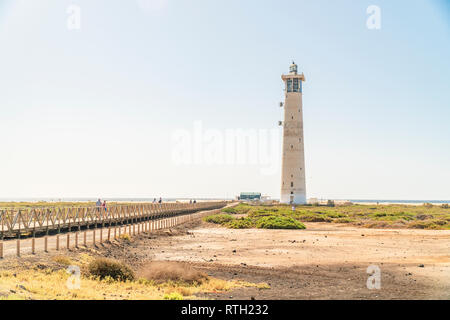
64, 260
112, 269
163, 271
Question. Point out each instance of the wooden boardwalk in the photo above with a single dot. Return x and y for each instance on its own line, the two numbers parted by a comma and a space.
32, 223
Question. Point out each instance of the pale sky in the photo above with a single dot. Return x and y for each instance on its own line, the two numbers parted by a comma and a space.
94, 112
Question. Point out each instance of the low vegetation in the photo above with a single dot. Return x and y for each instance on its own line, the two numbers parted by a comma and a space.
425, 216
110, 269
164, 271
255, 221
219, 218
107, 280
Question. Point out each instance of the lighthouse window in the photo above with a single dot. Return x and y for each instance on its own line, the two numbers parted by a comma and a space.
289, 85
296, 86
292, 184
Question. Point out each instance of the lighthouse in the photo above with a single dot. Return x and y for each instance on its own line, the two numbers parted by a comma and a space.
293, 186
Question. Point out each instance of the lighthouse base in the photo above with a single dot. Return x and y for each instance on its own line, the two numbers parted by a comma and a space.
293, 198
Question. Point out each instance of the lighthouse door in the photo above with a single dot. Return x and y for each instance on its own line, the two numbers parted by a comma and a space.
292, 199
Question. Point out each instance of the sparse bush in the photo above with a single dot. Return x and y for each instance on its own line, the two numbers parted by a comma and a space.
218, 218
428, 205
423, 225
330, 203
64, 260
125, 237
231, 210
108, 268
445, 206
343, 220
314, 218
173, 296
424, 216
279, 223
162, 271
242, 223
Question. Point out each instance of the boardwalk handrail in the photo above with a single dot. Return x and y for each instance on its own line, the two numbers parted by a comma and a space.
17, 221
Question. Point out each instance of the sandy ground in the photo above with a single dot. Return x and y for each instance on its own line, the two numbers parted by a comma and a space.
325, 261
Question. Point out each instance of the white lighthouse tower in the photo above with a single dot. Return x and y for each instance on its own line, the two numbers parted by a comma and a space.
293, 186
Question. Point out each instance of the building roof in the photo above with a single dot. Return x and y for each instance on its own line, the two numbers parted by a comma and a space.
250, 193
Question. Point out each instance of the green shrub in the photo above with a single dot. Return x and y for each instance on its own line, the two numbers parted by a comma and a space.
107, 268
242, 223
423, 225
343, 220
231, 210
279, 223
445, 206
218, 218
173, 296
314, 218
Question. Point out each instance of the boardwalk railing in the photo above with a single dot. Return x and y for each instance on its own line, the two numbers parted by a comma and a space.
34, 222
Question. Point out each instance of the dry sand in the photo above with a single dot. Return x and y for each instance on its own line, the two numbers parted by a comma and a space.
325, 261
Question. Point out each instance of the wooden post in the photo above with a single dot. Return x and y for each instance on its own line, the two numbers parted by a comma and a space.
57, 242
68, 233
18, 234
33, 247
109, 228
76, 239
85, 233
3, 236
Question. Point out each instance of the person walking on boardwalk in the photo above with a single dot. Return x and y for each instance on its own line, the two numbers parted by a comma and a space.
160, 200
104, 206
98, 204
